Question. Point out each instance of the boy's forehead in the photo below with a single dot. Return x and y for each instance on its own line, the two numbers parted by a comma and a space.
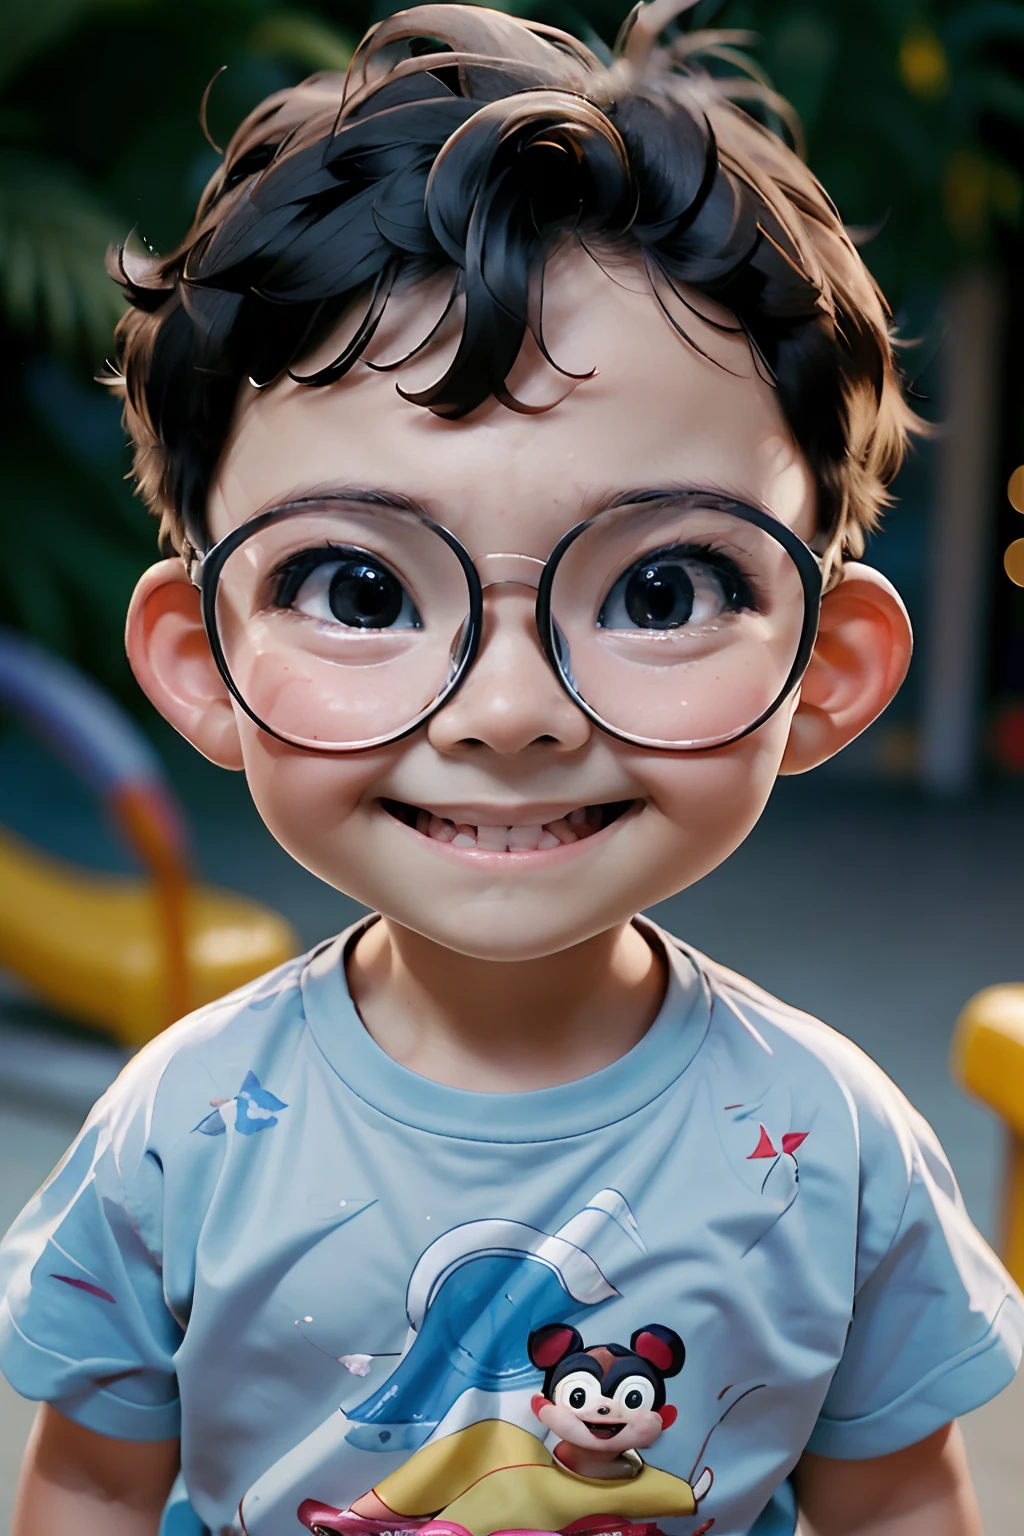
656, 412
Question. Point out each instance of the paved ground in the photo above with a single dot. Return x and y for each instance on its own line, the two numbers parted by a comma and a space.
875, 909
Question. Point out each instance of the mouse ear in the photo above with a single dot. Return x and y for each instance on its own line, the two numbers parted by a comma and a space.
661, 1346
546, 1346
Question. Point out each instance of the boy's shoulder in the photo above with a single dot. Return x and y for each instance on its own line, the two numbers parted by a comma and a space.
245, 1035
788, 1036
786, 1085
778, 1051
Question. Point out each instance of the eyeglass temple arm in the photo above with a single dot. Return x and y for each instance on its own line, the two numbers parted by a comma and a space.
192, 560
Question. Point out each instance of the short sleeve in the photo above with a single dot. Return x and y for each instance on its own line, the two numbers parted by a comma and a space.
937, 1326
83, 1320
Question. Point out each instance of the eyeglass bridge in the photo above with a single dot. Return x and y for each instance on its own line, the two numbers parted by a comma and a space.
508, 570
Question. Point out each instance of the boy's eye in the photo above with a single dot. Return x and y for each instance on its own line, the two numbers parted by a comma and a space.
673, 587
578, 1390
634, 1393
344, 586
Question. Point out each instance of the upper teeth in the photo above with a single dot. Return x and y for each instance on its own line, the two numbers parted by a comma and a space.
504, 839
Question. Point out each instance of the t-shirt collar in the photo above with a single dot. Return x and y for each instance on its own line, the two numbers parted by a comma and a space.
544, 1114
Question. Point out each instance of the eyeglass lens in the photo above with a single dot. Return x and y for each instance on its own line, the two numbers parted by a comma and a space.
677, 627
342, 628
674, 627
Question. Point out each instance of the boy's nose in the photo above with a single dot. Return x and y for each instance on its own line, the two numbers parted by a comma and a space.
511, 699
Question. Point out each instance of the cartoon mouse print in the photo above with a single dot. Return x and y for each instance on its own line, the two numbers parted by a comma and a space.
605, 1402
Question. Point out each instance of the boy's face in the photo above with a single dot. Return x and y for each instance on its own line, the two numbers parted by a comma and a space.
511, 749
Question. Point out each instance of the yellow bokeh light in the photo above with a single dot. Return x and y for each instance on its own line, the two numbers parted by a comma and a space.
1015, 489
965, 188
923, 64
1013, 562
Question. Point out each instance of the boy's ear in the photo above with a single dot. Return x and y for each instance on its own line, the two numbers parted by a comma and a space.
860, 659
174, 666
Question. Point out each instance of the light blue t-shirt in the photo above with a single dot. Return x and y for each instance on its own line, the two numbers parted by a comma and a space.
316, 1265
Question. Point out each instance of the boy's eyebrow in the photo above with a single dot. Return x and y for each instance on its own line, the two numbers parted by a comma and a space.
381, 496
722, 495
360, 494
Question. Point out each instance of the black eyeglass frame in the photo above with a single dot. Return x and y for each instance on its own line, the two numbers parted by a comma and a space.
204, 573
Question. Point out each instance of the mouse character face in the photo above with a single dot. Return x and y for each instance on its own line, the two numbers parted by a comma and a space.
606, 1399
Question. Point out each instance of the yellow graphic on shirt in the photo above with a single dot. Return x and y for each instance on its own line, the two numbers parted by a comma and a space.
495, 1476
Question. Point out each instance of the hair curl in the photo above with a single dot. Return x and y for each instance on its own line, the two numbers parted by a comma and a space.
465, 140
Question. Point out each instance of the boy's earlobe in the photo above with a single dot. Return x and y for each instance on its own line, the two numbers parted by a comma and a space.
173, 665
860, 659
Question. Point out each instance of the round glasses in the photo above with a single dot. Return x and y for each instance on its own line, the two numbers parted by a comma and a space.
680, 624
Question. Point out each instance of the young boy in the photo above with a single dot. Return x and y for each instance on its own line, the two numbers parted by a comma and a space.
507, 417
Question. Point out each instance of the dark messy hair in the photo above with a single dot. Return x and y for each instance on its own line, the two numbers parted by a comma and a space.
467, 141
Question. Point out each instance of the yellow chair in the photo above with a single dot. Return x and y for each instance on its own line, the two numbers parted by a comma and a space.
987, 1058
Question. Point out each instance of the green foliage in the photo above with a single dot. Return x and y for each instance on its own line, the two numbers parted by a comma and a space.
27, 27
74, 538
913, 111
99, 132
54, 232
302, 39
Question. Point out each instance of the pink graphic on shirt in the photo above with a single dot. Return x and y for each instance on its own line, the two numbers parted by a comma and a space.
86, 1285
764, 1147
790, 1141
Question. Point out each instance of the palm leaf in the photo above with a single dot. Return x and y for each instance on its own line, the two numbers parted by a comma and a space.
27, 27
53, 235
302, 39
998, 93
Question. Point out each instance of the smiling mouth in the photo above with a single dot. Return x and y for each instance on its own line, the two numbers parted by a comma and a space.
574, 827
603, 1431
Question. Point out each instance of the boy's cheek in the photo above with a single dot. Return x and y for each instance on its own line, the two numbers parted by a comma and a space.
714, 798
306, 798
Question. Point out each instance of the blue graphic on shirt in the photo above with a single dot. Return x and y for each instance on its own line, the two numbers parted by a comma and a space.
254, 1110
474, 1298
474, 1336
213, 1125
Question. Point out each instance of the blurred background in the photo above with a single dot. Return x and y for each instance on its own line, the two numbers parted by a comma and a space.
879, 892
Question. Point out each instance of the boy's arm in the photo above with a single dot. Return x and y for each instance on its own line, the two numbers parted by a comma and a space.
74, 1480
924, 1490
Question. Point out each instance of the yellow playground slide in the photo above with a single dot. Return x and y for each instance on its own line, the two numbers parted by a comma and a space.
95, 946
127, 954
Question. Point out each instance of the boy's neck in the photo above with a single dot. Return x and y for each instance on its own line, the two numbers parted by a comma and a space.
505, 1026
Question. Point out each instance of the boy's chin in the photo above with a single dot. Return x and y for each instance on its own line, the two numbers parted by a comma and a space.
516, 942
510, 932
